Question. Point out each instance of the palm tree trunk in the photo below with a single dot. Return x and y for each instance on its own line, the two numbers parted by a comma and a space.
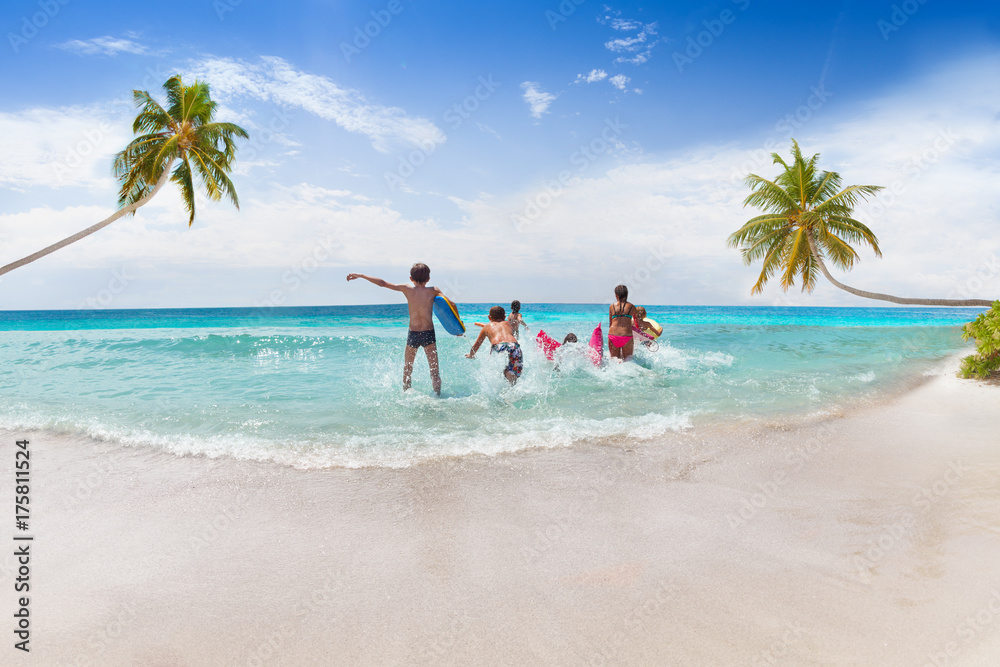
93, 228
888, 297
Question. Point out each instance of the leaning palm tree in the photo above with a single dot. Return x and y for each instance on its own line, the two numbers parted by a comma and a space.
807, 221
183, 133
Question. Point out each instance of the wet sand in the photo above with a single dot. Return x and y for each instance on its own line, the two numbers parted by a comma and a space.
862, 539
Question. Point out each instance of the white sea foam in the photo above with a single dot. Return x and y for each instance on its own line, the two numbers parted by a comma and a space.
330, 396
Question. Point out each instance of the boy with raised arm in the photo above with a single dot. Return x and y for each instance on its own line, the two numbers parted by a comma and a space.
420, 302
501, 340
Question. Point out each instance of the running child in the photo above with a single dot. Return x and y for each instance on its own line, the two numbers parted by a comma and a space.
420, 302
515, 318
501, 340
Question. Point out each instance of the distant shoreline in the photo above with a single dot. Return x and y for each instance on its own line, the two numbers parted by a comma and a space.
476, 304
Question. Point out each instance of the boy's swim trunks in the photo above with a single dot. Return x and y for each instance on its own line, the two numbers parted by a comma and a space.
420, 338
515, 360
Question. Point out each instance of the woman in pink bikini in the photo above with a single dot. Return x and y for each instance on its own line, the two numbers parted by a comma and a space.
620, 327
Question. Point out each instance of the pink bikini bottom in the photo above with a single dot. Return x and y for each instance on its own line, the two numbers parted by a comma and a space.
619, 341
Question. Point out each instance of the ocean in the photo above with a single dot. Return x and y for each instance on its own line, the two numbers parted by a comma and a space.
321, 386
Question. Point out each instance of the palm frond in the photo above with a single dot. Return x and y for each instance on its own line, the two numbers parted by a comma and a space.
181, 130
839, 252
182, 177
767, 195
762, 224
854, 231
772, 262
801, 204
850, 197
798, 252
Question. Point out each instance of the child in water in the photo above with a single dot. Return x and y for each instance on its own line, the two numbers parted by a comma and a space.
501, 340
645, 325
420, 302
515, 318
621, 315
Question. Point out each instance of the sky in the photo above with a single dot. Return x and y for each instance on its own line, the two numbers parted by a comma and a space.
544, 151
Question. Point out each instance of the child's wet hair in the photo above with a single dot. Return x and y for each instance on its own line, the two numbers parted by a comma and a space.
420, 273
641, 311
497, 314
570, 338
515, 306
622, 293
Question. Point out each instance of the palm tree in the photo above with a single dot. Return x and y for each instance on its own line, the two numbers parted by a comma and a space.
807, 220
183, 133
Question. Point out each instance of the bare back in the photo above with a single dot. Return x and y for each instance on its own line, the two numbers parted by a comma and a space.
420, 300
497, 332
621, 315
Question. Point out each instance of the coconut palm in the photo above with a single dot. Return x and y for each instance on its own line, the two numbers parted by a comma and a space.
807, 221
184, 133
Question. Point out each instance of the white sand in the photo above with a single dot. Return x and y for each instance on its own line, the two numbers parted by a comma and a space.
807, 544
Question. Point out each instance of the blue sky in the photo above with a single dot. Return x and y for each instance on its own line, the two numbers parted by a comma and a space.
544, 151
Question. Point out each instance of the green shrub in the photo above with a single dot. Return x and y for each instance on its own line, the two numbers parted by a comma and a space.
986, 330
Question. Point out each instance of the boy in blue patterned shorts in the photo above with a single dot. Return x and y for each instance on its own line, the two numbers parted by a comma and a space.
501, 340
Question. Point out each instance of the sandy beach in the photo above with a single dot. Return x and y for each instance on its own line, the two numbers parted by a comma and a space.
866, 538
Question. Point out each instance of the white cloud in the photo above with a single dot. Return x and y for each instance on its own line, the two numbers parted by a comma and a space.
65, 146
483, 127
592, 76
637, 59
619, 81
937, 220
937, 223
626, 44
104, 46
538, 100
625, 24
73, 146
275, 80
636, 49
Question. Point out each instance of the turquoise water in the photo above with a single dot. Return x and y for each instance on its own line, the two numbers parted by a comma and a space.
317, 387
